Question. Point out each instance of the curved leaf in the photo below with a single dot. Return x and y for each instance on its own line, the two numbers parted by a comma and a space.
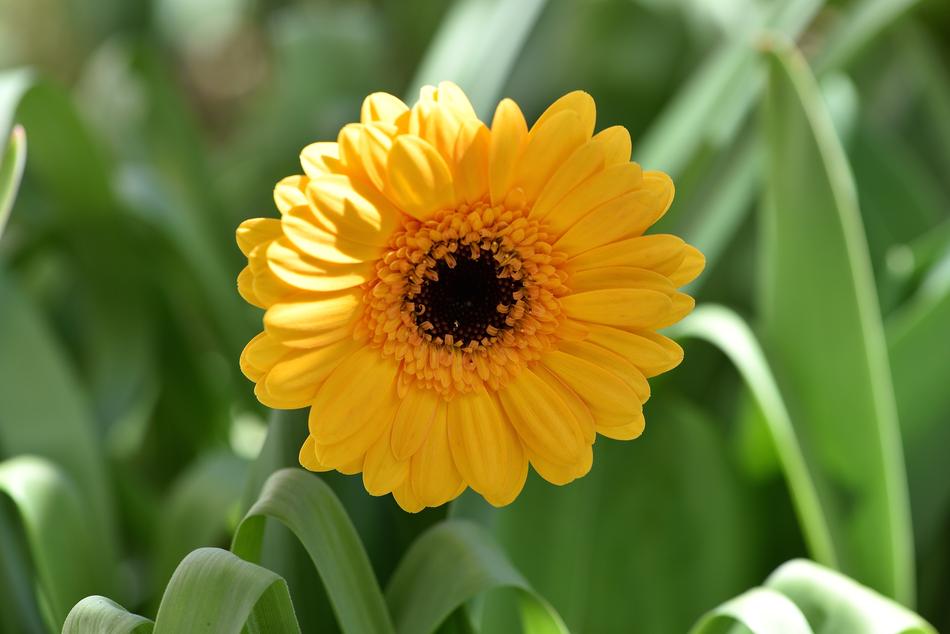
834, 603
99, 615
216, 592
823, 332
67, 563
727, 331
450, 564
761, 610
307, 506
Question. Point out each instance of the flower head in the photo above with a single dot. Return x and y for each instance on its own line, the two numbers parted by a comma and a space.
455, 301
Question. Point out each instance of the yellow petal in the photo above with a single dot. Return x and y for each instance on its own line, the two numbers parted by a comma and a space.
486, 450
623, 217
304, 272
651, 352
600, 188
549, 144
612, 401
628, 308
311, 314
381, 106
470, 158
451, 95
437, 125
435, 478
308, 234
245, 283
257, 231
613, 363
267, 288
689, 269
509, 132
619, 277
419, 182
578, 102
350, 209
585, 161
289, 193
382, 471
349, 452
579, 409
296, 377
544, 422
616, 143
683, 304
662, 253
308, 457
628, 431
406, 497
416, 413
375, 141
259, 356
350, 395
319, 159
562, 474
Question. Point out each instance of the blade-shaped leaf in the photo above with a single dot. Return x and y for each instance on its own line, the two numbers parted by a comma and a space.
823, 332
834, 603
99, 615
214, 591
450, 564
11, 170
307, 506
761, 610
476, 47
727, 331
66, 563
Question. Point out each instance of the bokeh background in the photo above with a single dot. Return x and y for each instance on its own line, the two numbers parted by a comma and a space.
154, 127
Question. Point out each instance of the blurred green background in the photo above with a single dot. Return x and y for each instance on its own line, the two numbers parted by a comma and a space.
154, 127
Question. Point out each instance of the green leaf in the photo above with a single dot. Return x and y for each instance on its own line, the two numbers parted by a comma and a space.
67, 563
857, 28
823, 332
761, 610
44, 412
307, 506
476, 47
727, 331
99, 615
451, 564
11, 171
214, 591
197, 511
834, 603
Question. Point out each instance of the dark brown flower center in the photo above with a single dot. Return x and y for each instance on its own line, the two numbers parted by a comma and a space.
468, 299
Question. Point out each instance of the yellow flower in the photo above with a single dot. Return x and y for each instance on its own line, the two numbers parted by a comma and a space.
455, 301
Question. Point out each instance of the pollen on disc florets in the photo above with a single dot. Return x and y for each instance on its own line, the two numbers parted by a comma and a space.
466, 298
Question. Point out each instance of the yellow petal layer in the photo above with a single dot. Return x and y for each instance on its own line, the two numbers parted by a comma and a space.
418, 180
435, 478
509, 133
628, 308
415, 415
651, 352
312, 314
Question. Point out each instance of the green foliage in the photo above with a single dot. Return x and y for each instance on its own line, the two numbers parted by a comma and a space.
808, 419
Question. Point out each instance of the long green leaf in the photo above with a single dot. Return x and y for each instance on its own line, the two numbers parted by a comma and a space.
477, 46
761, 610
833, 603
307, 506
99, 615
823, 332
43, 411
216, 592
11, 170
451, 564
67, 563
727, 331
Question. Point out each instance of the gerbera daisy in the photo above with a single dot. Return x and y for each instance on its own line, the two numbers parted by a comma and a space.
455, 301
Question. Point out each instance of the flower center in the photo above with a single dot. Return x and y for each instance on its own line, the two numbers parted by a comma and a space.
466, 297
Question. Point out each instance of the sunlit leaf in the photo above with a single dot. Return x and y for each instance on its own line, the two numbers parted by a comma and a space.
823, 332
216, 592
99, 615
760, 610
450, 564
11, 170
307, 506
